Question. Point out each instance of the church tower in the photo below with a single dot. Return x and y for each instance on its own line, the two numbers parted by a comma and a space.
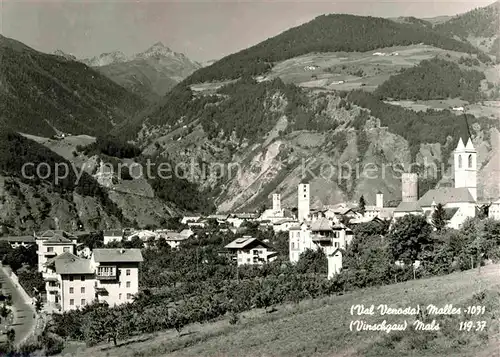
465, 166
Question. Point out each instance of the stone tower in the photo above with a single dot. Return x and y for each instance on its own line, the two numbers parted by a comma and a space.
276, 202
303, 201
409, 184
465, 167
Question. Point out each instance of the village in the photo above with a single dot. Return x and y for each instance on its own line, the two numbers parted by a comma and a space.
76, 275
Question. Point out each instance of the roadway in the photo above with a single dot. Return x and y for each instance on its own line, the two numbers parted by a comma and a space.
24, 321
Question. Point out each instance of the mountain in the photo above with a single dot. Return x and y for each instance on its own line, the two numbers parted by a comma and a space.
30, 202
480, 27
105, 59
327, 33
300, 103
150, 74
65, 55
44, 94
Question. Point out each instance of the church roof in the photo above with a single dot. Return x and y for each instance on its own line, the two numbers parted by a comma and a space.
469, 145
460, 145
446, 195
408, 207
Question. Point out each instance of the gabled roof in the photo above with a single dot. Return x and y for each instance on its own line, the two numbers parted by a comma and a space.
67, 263
113, 233
460, 145
19, 239
57, 239
117, 255
446, 195
245, 241
322, 224
448, 213
408, 207
53, 232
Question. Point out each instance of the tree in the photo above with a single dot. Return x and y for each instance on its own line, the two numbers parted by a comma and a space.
362, 205
11, 336
409, 237
38, 305
312, 261
439, 217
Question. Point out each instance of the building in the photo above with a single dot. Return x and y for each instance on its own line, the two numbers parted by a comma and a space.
459, 201
250, 251
174, 239
274, 214
110, 275
378, 211
494, 210
321, 234
52, 243
465, 166
303, 200
113, 235
409, 187
19, 241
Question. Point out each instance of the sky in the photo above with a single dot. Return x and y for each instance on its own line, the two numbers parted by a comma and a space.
203, 30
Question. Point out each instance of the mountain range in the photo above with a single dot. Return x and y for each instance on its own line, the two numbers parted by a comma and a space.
150, 74
283, 110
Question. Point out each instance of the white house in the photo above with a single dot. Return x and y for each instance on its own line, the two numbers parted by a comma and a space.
112, 235
251, 251
52, 243
19, 241
110, 275
323, 234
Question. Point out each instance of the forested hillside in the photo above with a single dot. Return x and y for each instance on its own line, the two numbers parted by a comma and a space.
326, 33
41, 93
480, 22
433, 79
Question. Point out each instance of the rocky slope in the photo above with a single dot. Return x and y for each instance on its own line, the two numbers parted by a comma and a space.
357, 157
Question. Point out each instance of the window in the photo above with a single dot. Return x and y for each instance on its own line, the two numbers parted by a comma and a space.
72, 301
71, 290
127, 272
82, 278
459, 161
305, 196
129, 296
119, 296
336, 244
66, 249
293, 245
71, 278
50, 249
82, 290
128, 284
248, 260
470, 161
82, 302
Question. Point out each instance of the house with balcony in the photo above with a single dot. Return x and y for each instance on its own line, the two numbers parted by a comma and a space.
250, 251
328, 235
110, 275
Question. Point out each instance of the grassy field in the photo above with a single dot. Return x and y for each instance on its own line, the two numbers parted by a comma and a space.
321, 327
489, 109
342, 66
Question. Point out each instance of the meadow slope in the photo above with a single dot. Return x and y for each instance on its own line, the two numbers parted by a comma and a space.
321, 327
